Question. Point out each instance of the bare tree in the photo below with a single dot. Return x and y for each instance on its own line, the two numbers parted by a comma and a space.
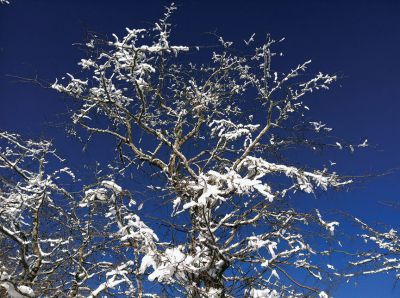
217, 135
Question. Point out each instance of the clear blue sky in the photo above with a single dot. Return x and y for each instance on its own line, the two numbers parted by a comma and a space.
359, 40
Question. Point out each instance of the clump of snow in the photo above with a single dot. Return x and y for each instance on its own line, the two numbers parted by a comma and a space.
264, 293
21, 291
330, 226
112, 185
323, 295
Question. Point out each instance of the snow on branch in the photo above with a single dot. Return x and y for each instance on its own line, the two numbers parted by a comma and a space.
216, 216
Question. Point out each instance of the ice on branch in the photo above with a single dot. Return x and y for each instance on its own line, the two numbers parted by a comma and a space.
136, 229
304, 180
364, 144
213, 187
383, 260
318, 126
112, 185
330, 226
172, 263
230, 131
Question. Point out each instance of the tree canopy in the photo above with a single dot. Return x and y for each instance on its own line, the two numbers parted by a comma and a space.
220, 139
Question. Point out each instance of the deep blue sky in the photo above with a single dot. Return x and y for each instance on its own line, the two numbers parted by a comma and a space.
359, 40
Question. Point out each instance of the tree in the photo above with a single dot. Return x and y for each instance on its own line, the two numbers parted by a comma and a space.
215, 134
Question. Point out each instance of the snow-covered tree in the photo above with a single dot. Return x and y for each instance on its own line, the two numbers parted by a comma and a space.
218, 134
32, 217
